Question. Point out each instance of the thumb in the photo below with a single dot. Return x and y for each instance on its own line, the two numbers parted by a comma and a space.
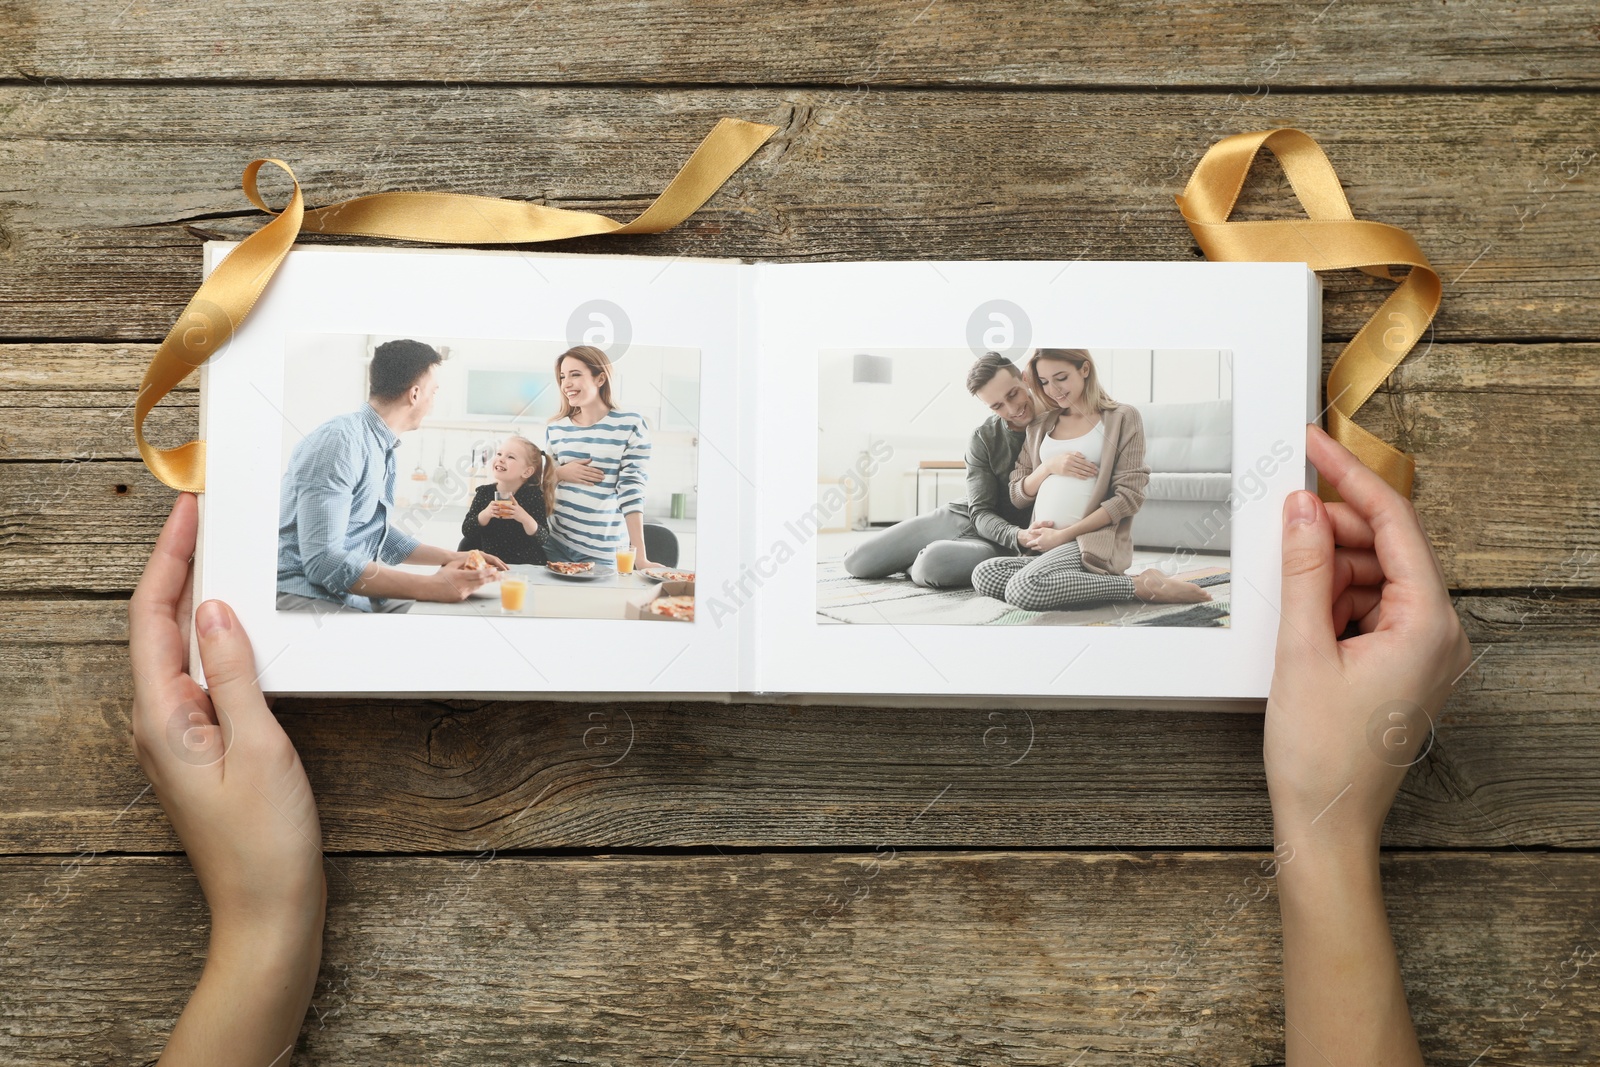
1307, 574
229, 663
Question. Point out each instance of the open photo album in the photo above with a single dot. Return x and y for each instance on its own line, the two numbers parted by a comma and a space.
530, 474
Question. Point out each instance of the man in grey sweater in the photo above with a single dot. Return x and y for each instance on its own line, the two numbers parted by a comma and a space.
940, 549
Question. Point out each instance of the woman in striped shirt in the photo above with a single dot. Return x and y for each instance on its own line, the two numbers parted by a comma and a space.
600, 454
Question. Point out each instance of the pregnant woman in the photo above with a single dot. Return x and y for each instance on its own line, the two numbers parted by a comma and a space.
1082, 469
600, 455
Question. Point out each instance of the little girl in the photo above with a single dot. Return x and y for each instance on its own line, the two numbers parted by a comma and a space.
513, 529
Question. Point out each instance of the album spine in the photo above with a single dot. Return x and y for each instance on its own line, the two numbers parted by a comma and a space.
1314, 398
749, 364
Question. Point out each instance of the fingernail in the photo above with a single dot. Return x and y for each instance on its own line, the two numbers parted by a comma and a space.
1302, 509
211, 618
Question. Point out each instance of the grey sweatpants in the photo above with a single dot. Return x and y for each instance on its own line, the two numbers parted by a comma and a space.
938, 550
297, 602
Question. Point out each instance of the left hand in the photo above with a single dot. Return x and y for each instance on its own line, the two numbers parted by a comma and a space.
516, 511
234, 789
227, 776
495, 562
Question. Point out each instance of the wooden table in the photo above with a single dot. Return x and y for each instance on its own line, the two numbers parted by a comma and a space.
765, 883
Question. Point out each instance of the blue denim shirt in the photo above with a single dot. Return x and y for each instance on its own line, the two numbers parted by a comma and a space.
334, 507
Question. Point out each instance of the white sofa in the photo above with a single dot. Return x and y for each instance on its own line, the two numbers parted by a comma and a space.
1189, 448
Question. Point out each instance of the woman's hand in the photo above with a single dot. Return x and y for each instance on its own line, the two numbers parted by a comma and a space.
223, 769
1345, 718
1072, 465
580, 470
235, 792
1052, 538
1047, 536
1042, 535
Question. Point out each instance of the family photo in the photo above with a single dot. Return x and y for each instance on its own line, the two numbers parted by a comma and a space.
473, 476
1087, 487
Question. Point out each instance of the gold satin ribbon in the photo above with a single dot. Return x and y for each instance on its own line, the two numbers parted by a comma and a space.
227, 295
1331, 239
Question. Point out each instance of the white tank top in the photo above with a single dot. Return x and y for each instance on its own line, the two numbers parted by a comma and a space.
1064, 499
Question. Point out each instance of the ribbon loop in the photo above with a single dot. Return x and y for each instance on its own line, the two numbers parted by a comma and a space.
249, 183
227, 295
1331, 238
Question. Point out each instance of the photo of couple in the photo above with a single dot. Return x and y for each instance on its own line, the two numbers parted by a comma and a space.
1067, 506
536, 505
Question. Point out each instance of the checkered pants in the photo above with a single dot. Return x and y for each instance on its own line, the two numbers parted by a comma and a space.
1054, 580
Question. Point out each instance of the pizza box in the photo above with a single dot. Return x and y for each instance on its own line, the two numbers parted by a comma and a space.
641, 609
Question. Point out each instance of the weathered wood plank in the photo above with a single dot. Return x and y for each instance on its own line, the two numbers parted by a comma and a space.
1503, 484
88, 425
51, 368
1516, 760
100, 191
1275, 44
77, 524
984, 957
1478, 417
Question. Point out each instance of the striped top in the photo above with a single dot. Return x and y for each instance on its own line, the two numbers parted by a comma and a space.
589, 517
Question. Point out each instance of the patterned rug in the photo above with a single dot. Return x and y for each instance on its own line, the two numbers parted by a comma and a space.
896, 601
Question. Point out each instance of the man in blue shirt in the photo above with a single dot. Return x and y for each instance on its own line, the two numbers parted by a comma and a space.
337, 547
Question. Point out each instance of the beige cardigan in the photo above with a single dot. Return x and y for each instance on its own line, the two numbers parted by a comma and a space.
1120, 487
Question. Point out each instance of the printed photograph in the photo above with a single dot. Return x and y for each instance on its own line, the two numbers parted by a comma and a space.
470, 476
1070, 487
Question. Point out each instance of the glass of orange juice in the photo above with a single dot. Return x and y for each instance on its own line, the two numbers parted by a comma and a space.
513, 594
625, 558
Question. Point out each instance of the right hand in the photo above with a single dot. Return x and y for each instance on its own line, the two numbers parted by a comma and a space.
580, 470
1345, 718
1072, 465
453, 582
1029, 538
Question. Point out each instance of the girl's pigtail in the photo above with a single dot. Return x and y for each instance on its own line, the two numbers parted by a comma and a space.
547, 481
